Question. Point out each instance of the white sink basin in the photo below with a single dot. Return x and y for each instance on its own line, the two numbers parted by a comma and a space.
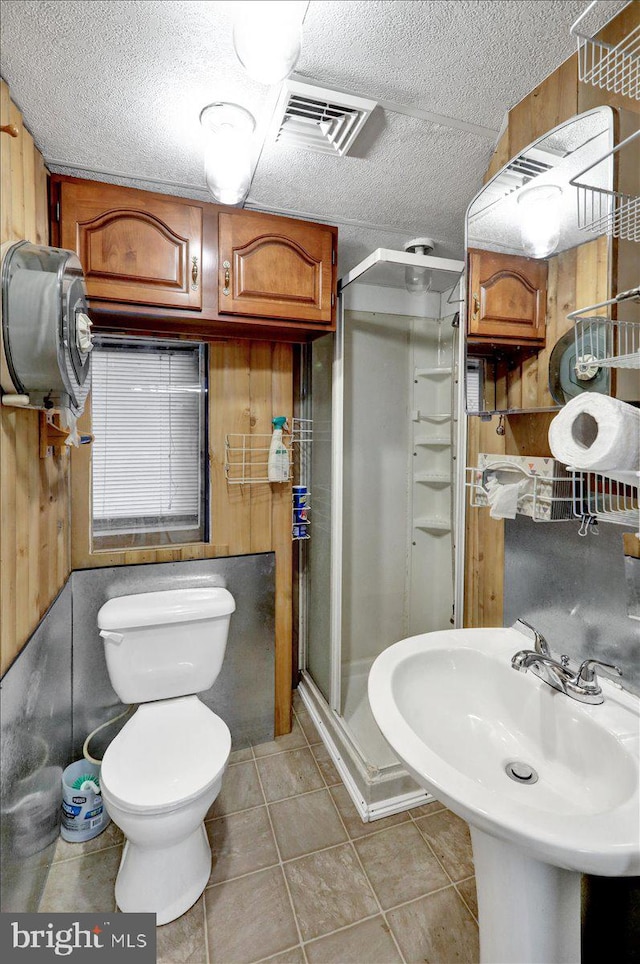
456, 713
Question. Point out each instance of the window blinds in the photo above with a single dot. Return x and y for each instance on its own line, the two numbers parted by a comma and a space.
148, 424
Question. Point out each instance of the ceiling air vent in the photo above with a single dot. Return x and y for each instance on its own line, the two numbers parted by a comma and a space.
310, 118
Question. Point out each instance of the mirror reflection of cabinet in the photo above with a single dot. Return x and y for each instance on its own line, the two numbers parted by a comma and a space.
507, 301
580, 270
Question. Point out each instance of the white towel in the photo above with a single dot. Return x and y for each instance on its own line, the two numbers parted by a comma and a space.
503, 498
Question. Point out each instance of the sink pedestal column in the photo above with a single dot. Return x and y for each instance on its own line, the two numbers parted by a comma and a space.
529, 911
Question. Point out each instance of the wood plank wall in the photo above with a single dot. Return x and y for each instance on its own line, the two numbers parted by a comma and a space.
250, 382
579, 277
34, 492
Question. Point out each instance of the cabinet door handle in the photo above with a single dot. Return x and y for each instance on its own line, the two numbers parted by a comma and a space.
194, 273
227, 277
476, 305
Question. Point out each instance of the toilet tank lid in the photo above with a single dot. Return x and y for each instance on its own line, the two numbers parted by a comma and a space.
171, 606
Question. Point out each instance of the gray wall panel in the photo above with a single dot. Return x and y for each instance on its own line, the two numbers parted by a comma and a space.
243, 694
573, 589
35, 719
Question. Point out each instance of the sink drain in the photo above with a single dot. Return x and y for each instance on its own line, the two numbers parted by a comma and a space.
521, 772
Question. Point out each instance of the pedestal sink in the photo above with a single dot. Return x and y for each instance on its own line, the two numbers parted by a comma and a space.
549, 786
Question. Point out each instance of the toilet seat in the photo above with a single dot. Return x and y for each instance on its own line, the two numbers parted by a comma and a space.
170, 752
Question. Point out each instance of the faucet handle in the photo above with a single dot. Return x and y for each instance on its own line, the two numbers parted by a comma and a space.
587, 672
540, 644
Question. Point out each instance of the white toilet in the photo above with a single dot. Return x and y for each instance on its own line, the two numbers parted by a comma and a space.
164, 769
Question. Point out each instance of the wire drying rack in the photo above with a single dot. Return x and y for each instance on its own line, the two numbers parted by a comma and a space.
545, 498
615, 68
603, 343
598, 498
605, 211
567, 494
246, 459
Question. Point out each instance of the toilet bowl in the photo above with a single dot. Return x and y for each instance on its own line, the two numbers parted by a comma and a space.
161, 773
159, 777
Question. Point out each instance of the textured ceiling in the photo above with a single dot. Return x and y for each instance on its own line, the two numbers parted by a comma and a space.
114, 90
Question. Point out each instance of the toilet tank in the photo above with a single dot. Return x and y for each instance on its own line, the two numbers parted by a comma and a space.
164, 644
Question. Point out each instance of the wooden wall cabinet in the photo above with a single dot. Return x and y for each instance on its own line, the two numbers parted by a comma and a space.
275, 267
155, 263
507, 300
134, 246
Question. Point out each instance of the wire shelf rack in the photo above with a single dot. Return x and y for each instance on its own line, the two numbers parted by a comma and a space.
545, 498
603, 343
605, 211
246, 459
615, 68
561, 495
600, 498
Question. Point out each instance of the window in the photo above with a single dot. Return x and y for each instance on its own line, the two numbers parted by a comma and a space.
149, 456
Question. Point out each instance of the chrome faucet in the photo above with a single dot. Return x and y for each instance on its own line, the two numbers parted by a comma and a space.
581, 685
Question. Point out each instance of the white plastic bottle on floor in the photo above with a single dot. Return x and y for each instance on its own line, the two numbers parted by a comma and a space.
278, 464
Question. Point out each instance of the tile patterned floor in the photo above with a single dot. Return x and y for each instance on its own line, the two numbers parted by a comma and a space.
297, 877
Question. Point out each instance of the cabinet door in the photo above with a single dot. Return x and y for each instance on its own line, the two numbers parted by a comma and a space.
507, 299
134, 247
274, 267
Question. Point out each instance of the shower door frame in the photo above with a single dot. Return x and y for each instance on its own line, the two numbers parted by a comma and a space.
369, 809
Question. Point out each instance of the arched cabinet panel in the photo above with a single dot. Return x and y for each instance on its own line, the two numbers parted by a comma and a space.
507, 299
275, 267
133, 247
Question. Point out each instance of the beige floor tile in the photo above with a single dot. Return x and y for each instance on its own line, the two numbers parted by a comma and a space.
241, 756
240, 844
290, 741
400, 865
450, 838
368, 941
287, 774
326, 764
83, 885
293, 956
111, 836
306, 823
307, 724
437, 928
468, 890
240, 790
427, 808
249, 918
356, 827
329, 891
182, 941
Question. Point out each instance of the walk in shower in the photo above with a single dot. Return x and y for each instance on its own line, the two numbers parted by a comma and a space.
382, 394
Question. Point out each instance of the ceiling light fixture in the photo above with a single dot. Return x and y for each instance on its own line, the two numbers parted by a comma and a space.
228, 131
416, 278
267, 37
539, 212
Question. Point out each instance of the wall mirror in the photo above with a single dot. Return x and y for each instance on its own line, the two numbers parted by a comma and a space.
545, 238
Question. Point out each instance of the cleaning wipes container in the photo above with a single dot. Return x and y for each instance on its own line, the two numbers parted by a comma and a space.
83, 813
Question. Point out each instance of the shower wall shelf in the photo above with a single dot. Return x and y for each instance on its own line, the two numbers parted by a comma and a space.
417, 415
432, 372
433, 478
247, 455
604, 211
603, 342
432, 524
613, 68
436, 441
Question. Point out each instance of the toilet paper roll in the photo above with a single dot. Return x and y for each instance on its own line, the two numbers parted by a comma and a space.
597, 433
